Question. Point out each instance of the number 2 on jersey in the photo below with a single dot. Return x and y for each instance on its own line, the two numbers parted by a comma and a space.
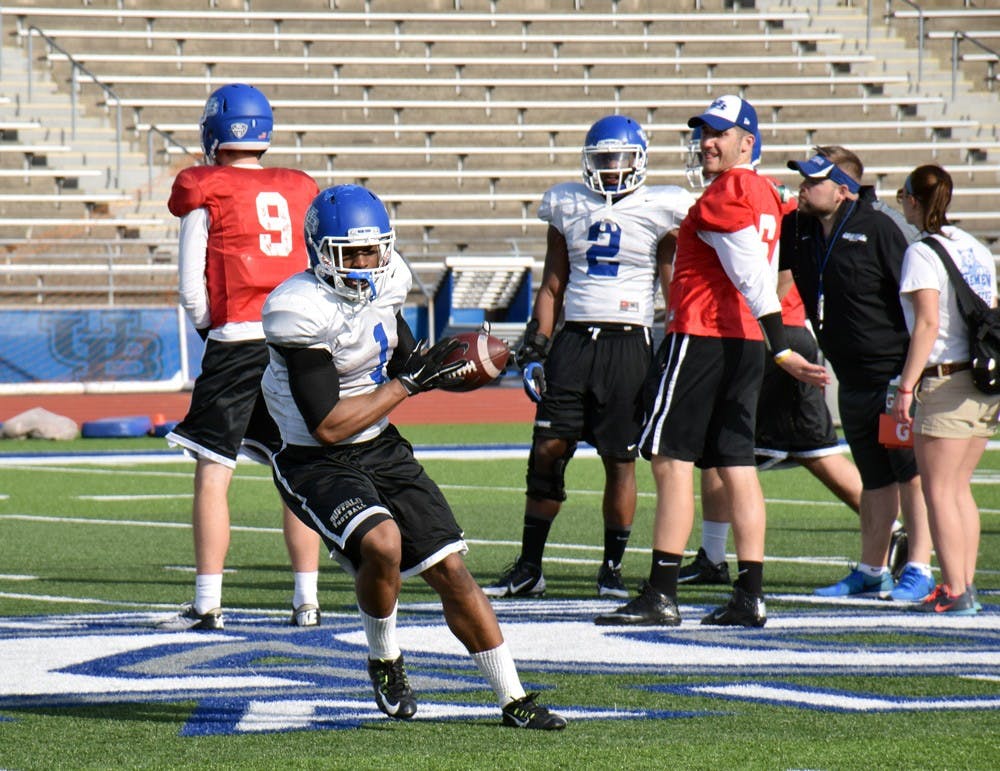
606, 239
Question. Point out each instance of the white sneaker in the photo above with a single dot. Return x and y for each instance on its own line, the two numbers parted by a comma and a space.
305, 615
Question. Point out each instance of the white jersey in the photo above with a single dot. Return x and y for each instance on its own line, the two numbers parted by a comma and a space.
923, 269
305, 312
612, 251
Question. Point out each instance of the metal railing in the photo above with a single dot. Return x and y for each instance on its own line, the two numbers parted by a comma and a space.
76, 70
920, 31
956, 39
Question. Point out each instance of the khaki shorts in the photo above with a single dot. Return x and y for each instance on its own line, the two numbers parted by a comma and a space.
951, 407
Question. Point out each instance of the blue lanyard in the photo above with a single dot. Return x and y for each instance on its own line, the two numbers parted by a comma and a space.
821, 263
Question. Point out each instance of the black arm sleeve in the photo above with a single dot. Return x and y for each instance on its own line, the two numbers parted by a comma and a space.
774, 332
314, 382
406, 344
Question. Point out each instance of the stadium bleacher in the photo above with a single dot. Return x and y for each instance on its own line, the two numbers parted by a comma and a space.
459, 115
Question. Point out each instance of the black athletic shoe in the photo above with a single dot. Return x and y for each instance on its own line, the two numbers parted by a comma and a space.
743, 609
650, 608
609, 582
188, 619
701, 570
521, 579
393, 694
899, 553
524, 713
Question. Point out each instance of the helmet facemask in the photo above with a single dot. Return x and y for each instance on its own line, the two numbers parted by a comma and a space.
613, 168
693, 165
359, 285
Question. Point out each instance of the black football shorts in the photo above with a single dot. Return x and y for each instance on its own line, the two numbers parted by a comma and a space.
343, 491
702, 400
593, 386
227, 411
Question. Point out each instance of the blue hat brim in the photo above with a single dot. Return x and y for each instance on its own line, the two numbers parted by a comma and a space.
811, 169
713, 121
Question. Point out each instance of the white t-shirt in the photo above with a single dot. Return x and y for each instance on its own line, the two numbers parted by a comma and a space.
612, 251
922, 269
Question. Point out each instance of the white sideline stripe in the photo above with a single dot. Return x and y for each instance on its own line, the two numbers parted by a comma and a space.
163, 497
131, 522
841, 701
470, 541
85, 600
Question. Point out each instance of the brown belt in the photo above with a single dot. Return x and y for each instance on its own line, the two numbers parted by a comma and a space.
942, 370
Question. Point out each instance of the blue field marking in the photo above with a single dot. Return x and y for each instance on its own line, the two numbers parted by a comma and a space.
259, 674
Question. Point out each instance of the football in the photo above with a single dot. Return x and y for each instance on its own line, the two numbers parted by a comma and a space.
486, 356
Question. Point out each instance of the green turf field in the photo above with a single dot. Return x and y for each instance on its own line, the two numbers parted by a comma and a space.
92, 554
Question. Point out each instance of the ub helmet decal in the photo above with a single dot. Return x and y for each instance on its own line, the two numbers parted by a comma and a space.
614, 156
342, 217
236, 116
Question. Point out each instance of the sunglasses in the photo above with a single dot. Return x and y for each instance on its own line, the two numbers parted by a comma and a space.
905, 190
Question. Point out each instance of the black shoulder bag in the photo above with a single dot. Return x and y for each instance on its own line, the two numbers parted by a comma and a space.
983, 323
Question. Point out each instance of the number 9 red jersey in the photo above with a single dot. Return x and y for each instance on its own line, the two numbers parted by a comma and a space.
255, 231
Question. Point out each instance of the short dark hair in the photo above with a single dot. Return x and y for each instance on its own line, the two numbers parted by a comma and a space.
846, 161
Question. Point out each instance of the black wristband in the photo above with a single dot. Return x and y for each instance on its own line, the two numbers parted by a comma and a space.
534, 339
774, 331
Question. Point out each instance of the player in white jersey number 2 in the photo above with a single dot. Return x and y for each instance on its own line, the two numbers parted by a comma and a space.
610, 238
342, 357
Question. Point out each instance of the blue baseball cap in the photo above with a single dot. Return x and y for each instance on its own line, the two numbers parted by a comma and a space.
821, 167
725, 112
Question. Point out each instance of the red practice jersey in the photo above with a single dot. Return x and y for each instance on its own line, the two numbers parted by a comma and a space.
255, 236
703, 299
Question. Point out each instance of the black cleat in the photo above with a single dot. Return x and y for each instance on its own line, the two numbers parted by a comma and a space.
393, 694
650, 608
609, 582
743, 609
899, 553
701, 570
188, 618
524, 713
521, 579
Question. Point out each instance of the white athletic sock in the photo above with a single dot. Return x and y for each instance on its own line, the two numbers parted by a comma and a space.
381, 634
306, 589
497, 666
207, 592
923, 567
713, 540
872, 571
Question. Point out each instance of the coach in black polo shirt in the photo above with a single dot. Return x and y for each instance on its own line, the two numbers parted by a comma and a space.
846, 253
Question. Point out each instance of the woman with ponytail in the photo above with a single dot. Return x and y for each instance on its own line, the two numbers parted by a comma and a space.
952, 420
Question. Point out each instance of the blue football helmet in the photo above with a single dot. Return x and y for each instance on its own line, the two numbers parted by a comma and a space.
693, 166
614, 156
348, 216
237, 116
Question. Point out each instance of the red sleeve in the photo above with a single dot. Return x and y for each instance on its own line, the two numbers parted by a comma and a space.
186, 194
727, 206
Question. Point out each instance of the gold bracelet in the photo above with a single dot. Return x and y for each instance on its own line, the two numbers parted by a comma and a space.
780, 356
